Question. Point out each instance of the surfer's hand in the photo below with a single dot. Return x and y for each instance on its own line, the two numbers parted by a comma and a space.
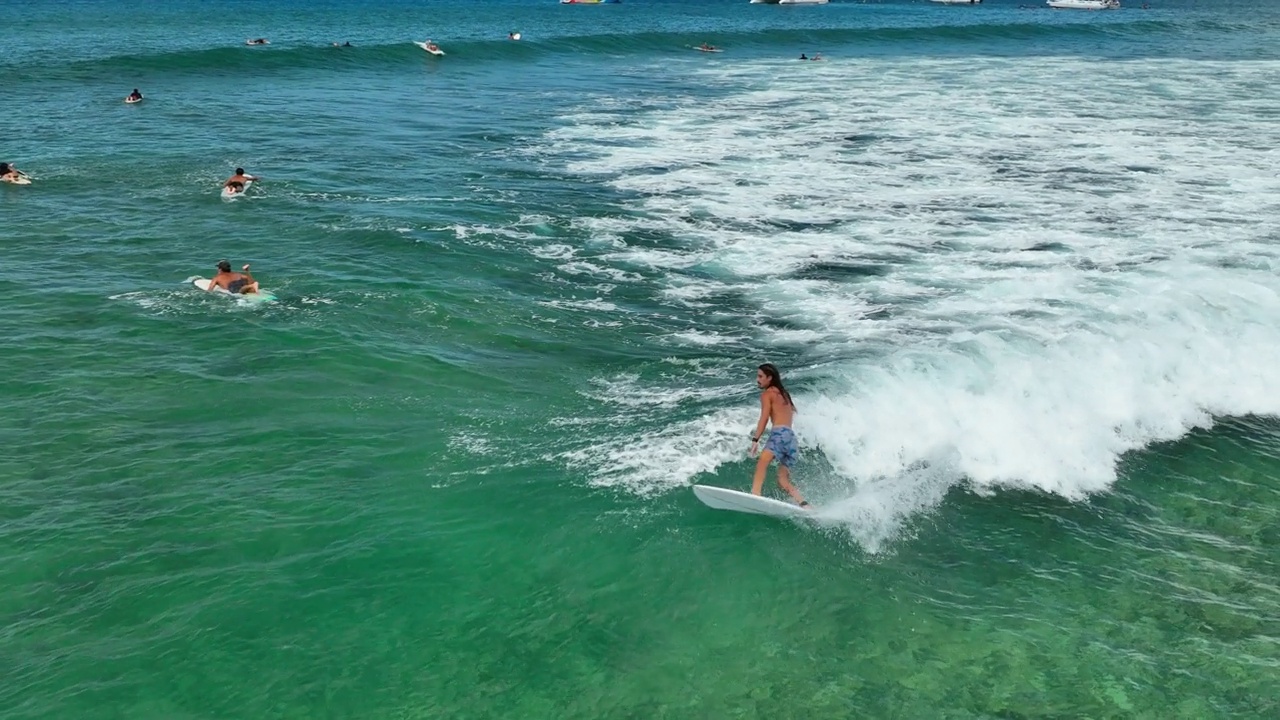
246, 267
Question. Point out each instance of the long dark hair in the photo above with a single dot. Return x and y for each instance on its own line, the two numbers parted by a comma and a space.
775, 380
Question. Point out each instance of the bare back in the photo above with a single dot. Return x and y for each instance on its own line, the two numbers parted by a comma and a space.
776, 408
224, 279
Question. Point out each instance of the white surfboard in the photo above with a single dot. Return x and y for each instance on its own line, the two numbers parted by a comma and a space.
132, 101
258, 297
19, 181
726, 499
229, 194
425, 46
702, 49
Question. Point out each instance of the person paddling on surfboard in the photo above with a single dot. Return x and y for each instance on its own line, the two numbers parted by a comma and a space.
777, 408
237, 181
9, 173
134, 96
232, 282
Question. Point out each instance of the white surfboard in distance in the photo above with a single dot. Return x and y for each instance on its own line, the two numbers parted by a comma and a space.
427, 46
726, 499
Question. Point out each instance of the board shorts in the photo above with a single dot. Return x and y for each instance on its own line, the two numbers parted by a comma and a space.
235, 286
782, 443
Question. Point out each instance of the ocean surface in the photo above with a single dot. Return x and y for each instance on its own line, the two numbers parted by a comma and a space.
1018, 266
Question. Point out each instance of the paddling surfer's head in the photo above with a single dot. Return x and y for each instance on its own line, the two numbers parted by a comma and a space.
224, 266
239, 171
767, 376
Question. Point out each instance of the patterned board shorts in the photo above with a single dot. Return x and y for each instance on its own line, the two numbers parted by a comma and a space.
782, 443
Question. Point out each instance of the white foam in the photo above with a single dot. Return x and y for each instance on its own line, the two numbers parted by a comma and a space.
592, 305
704, 339
1003, 274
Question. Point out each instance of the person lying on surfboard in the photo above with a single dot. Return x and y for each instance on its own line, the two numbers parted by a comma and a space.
8, 173
777, 408
239, 179
134, 96
234, 283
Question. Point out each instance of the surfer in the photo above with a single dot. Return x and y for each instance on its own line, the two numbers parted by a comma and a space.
9, 173
513, 36
432, 47
257, 41
707, 48
234, 283
134, 96
236, 182
777, 408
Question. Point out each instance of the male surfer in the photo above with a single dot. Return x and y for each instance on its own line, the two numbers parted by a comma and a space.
234, 283
236, 182
135, 96
777, 408
9, 173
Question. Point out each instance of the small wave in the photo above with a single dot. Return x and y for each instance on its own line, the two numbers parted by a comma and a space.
941, 38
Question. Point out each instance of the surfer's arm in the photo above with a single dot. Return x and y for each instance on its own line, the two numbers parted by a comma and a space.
765, 399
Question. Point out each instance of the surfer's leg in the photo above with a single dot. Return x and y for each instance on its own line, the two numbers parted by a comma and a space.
784, 482
762, 466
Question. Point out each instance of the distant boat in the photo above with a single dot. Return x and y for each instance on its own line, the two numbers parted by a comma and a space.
958, 2
1084, 4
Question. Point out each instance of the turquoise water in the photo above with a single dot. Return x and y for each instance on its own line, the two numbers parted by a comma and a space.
1018, 267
